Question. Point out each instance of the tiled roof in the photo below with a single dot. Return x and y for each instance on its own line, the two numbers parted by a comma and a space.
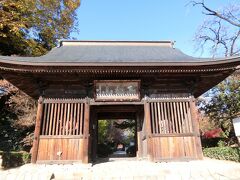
99, 53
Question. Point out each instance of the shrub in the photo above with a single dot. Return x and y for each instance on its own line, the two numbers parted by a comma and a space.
223, 153
131, 151
103, 150
14, 159
214, 133
211, 142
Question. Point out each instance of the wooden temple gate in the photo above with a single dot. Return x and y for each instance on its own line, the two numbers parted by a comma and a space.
153, 75
169, 130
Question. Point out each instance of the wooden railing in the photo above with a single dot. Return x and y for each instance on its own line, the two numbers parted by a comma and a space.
170, 116
172, 129
63, 117
62, 130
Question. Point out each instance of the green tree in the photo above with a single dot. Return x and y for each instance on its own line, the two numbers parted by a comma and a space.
28, 28
103, 126
17, 118
32, 27
107, 132
224, 105
125, 124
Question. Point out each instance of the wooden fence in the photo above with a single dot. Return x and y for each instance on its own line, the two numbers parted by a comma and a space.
171, 117
63, 119
173, 129
63, 134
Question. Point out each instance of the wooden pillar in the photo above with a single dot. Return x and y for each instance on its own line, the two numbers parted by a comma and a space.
86, 133
195, 121
37, 130
139, 121
139, 135
94, 134
148, 129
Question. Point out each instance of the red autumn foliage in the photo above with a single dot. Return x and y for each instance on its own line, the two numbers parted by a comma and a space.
214, 133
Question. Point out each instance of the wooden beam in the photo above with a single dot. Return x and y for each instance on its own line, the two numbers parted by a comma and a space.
139, 135
195, 122
63, 100
116, 103
175, 135
86, 133
148, 129
61, 137
94, 134
116, 115
37, 130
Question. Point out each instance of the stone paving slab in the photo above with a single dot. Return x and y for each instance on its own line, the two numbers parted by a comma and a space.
206, 169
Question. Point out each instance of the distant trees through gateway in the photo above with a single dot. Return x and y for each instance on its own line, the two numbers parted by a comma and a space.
115, 135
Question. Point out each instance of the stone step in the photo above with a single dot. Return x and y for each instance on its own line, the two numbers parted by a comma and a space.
129, 170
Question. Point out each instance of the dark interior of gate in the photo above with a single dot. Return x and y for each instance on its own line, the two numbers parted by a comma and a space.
110, 113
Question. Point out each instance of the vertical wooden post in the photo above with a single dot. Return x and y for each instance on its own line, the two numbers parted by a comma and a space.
195, 121
139, 135
148, 129
37, 130
86, 132
94, 134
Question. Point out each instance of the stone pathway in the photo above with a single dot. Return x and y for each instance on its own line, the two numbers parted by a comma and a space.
129, 170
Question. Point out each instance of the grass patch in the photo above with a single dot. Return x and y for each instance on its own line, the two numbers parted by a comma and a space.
223, 153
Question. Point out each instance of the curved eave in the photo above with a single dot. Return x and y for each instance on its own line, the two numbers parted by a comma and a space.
210, 65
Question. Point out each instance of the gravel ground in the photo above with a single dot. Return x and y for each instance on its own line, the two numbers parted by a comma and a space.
129, 170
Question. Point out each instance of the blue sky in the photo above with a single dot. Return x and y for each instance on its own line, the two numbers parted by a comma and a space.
143, 20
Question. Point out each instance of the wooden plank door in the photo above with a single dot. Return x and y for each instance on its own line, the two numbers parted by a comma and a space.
172, 129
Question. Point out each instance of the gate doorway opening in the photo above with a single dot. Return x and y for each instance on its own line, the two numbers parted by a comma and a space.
116, 138
114, 134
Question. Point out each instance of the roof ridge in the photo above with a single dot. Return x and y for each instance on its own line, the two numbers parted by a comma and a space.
63, 42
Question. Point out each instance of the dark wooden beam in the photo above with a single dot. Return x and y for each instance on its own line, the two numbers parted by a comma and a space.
116, 115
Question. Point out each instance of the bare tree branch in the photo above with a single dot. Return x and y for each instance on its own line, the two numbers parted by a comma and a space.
233, 44
216, 33
212, 12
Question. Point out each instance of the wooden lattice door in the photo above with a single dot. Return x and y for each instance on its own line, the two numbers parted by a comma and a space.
62, 131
